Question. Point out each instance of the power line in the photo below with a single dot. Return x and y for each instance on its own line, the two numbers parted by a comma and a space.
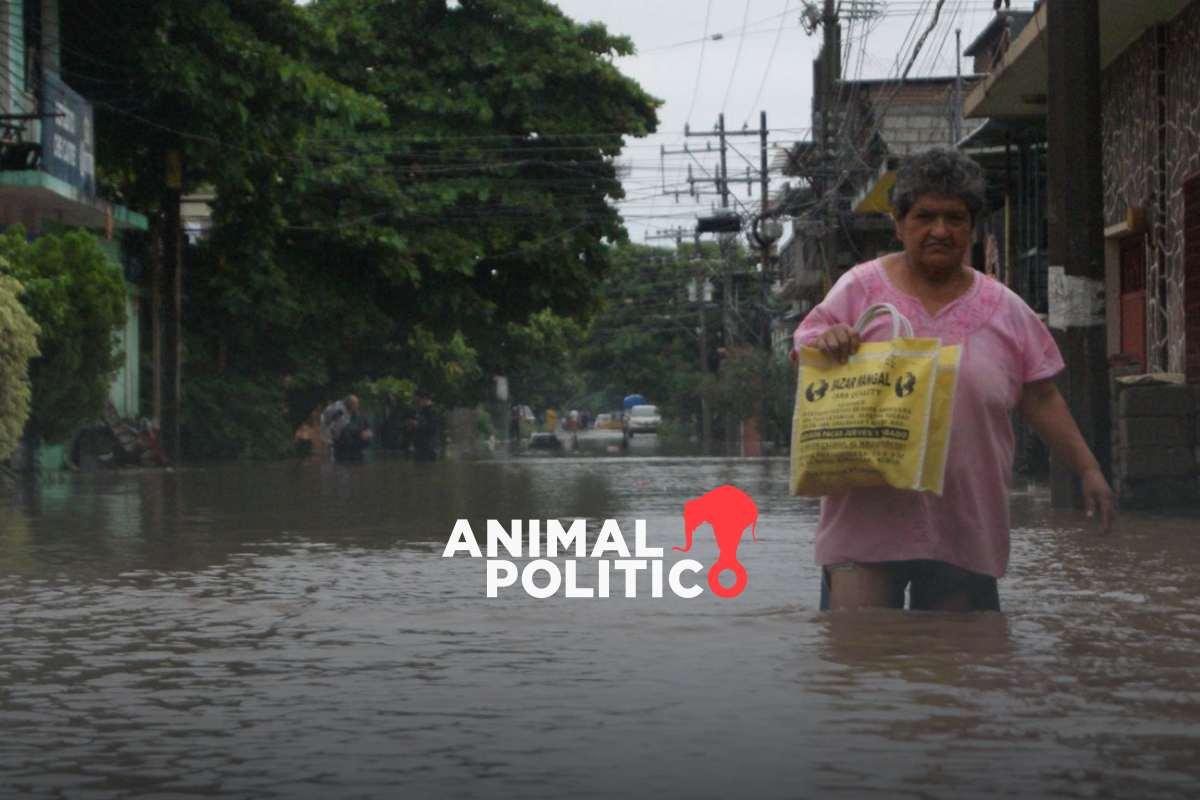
770, 60
700, 63
736, 59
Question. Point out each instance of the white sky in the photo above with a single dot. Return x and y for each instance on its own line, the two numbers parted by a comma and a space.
696, 83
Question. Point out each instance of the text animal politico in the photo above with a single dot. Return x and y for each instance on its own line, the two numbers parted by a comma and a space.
611, 560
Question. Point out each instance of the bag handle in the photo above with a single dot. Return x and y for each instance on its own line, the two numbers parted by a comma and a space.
900, 323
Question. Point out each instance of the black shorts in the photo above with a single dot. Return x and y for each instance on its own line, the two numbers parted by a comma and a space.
930, 582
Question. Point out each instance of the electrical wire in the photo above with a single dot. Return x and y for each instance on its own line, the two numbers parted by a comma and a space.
736, 59
770, 60
700, 63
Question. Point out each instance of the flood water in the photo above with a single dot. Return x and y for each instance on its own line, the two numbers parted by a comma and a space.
292, 630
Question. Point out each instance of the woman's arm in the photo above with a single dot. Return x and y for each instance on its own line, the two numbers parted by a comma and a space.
828, 326
1044, 408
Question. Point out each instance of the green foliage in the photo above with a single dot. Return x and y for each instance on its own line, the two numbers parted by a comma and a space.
483, 423
230, 416
449, 366
383, 396
544, 374
401, 188
645, 338
18, 344
77, 296
751, 382
230, 84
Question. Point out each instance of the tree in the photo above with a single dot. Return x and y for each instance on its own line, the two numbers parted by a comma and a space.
750, 381
485, 200
645, 339
76, 295
18, 344
545, 376
229, 84
230, 88
398, 184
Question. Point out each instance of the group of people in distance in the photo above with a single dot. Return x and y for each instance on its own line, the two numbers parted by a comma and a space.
346, 433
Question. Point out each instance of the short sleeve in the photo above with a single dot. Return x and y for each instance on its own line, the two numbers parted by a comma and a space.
838, 306
1040, 356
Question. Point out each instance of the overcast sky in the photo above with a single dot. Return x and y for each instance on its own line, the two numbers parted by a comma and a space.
763, 54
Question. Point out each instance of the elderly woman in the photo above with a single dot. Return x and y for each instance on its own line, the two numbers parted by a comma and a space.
873, 543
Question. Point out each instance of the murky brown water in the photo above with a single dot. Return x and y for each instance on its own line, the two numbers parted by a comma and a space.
291, 630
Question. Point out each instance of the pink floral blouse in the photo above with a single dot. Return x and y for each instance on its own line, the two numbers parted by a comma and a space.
1005, 346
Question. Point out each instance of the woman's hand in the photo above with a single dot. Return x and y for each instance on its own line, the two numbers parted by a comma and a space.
1046, 411
1097, 497
839, 342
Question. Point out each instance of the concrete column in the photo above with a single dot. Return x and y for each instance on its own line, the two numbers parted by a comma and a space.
1076, 217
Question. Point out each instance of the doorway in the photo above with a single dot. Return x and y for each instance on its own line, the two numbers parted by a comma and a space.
1133, 299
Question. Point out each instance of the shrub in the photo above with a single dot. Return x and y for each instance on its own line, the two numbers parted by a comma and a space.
76, 294
18, 344
233, 416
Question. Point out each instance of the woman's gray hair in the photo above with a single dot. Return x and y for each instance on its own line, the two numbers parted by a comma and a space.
939, 171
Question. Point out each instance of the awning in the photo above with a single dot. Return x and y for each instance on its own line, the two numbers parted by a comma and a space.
32, 197
999, 132
877, 199
1019, 85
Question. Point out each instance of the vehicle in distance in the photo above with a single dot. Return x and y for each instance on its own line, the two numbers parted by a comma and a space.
608, 422
642, 419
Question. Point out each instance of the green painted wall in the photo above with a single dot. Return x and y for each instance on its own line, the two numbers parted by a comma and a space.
124, 391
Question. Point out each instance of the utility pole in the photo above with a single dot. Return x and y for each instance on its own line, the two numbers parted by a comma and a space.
702, 331
726, 271
724, 175
765, 255
721, 184
831, 74
705, 411
171, 371
956, 112
1076, 222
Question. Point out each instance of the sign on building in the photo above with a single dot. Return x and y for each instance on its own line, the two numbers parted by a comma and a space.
68, 136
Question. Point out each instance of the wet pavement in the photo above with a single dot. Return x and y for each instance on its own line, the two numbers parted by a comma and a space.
291, 630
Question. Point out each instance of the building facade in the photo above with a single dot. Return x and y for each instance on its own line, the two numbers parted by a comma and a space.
47, 165
1149, 140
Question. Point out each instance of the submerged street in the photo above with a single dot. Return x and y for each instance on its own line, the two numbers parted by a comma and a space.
291, 630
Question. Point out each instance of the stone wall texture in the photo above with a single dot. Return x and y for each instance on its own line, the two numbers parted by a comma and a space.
1133, 170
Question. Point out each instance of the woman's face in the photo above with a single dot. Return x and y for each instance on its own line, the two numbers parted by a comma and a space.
936, 233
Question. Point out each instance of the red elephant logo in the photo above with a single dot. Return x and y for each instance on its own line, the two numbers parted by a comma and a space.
729, 510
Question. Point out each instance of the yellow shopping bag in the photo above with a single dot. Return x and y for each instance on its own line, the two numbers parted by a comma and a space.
881, 419
940, 416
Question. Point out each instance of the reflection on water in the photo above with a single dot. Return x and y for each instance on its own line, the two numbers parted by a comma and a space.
290, 630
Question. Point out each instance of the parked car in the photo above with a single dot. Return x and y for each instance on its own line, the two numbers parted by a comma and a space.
642, 419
